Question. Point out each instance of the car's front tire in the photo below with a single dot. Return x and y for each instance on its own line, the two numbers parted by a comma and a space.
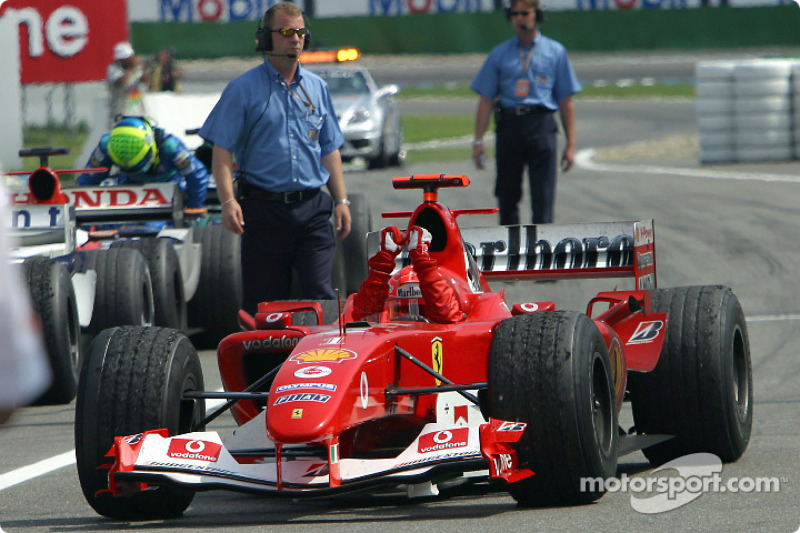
552, 371
133, 380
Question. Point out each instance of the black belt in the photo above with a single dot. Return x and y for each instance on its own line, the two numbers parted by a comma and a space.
289, 197
526, 110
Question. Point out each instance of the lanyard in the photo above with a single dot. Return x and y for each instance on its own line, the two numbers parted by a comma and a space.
307, 102
526, 61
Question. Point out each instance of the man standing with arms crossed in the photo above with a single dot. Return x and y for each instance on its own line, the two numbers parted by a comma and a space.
528, 78
279, 122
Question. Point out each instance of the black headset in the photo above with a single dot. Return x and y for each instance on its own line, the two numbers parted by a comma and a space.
264, 37
539, 10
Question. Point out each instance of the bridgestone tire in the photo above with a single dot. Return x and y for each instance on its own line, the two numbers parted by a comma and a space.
338, 274
133, 380
167, 280
53, 299
355, 244
216, 303
701, 390
551, 370
124, 291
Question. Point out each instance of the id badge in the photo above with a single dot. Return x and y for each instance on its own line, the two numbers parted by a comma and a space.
523, 88
315, 121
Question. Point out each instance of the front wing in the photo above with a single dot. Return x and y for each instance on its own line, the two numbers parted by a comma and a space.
203, 461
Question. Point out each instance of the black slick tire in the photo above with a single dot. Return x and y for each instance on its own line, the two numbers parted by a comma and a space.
216, 303
338, 274
124, 291
165, 274
552, 371
701, 390
53, 299
355, 244
133, 380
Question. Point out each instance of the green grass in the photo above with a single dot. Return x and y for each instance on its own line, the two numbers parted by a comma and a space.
444, 91
635, 90
677, 90
419, 128
56, 137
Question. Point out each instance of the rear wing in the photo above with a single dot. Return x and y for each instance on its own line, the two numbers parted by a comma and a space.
127, 203
41, 230
559, 251
563, 251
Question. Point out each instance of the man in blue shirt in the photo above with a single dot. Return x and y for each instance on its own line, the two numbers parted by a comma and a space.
524, 81
145, 154
278, 121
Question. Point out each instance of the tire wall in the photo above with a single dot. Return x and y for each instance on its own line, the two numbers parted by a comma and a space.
748, 110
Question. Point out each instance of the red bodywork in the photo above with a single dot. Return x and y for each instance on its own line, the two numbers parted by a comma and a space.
354, 390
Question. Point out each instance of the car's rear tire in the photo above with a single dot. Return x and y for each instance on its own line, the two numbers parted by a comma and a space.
124, 291
216, 303
551, 370
53, 299
133, 380
338, 274
166, 277
355, 245
701, 390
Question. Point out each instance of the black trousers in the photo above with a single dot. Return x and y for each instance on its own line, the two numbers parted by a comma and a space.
279, 238
526, 140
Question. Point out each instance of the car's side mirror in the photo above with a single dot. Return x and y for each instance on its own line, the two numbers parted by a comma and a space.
387, 90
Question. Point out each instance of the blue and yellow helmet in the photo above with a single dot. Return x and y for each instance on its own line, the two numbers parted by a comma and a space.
132, 145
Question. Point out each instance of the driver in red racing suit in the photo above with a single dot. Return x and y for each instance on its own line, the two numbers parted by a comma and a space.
440, 300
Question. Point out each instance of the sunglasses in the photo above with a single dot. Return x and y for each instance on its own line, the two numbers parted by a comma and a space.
288, 32
520, 13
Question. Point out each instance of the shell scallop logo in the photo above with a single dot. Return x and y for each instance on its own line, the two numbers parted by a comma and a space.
323, 356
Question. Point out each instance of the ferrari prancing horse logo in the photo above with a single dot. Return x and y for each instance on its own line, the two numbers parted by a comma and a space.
436, 355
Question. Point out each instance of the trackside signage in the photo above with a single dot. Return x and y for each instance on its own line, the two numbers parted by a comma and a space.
232, 10
66, 41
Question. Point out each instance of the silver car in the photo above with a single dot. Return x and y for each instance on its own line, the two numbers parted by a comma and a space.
368, 115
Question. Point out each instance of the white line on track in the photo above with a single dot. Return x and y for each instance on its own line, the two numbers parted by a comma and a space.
20, 475
585, 159
26, 473
774, 318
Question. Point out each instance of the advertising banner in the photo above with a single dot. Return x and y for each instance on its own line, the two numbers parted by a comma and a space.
231, 10
66, 41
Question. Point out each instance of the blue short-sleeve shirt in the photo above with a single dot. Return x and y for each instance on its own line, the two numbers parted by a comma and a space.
549, 74
277, 138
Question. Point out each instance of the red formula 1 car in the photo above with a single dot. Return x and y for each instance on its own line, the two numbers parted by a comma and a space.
524, 394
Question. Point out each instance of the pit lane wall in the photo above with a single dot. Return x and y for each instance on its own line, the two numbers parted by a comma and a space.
655, 24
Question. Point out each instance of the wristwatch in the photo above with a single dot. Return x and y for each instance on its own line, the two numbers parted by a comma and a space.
341, 201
